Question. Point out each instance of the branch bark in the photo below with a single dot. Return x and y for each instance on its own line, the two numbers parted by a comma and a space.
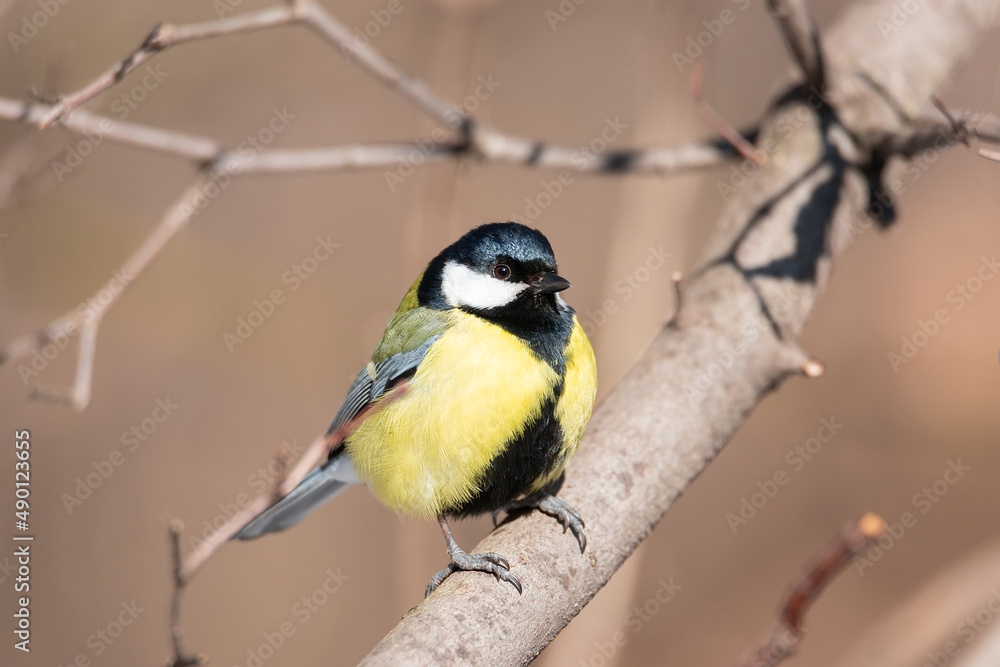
762, 273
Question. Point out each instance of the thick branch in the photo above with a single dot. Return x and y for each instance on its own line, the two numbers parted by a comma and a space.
763, 272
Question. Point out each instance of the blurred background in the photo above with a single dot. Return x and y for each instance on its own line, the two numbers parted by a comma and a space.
102, 558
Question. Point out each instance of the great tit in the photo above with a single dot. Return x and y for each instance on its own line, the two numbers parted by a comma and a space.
501, 383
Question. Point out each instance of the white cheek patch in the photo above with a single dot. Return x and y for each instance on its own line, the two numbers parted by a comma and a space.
464, 287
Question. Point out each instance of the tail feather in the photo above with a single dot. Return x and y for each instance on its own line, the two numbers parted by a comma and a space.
316, 488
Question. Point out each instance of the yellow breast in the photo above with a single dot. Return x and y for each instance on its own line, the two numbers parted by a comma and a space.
474, 391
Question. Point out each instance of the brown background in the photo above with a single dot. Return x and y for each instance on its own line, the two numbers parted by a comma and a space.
164, 339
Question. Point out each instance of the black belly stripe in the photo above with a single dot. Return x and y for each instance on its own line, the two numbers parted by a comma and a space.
525, 459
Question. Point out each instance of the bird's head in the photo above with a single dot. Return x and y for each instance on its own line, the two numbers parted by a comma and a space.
499, 270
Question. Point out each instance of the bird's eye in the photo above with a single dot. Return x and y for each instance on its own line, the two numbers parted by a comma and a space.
501, 272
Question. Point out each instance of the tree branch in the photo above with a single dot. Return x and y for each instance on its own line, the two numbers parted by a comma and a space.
763, 271
783, 639
85, 319
162, 36
187, 568
801, 38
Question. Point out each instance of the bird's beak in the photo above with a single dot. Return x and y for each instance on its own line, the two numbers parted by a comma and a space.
548, 283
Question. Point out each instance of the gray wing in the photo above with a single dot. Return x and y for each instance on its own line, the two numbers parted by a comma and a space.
367, 389
336, 474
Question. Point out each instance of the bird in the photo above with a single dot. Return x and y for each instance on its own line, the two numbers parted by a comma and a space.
500, 382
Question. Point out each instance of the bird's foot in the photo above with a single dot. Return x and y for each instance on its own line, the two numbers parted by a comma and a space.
556, 508
490, 563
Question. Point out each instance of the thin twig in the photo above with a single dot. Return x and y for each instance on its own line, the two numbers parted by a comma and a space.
85, 319
186, 569
162, 36
957, 126
716, 122
802, 39
182, 656
788, 630
923, 134
317, 450
494, 147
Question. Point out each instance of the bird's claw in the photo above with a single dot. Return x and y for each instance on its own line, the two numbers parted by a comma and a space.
554, 507
569, 518
489, 562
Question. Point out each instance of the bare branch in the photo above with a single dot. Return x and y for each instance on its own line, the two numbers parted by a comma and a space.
788, 630
923, 134
85, 321
802, 39
186, 569
494, 146
182, 656
162, 36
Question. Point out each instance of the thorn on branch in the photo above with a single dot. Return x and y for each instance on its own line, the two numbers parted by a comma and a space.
813, 368
959, 127
717, 123
795, 360
990, 154
677, 278
788, 630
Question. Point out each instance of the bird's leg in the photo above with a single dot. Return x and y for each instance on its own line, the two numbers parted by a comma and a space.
558, 509
492, 563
